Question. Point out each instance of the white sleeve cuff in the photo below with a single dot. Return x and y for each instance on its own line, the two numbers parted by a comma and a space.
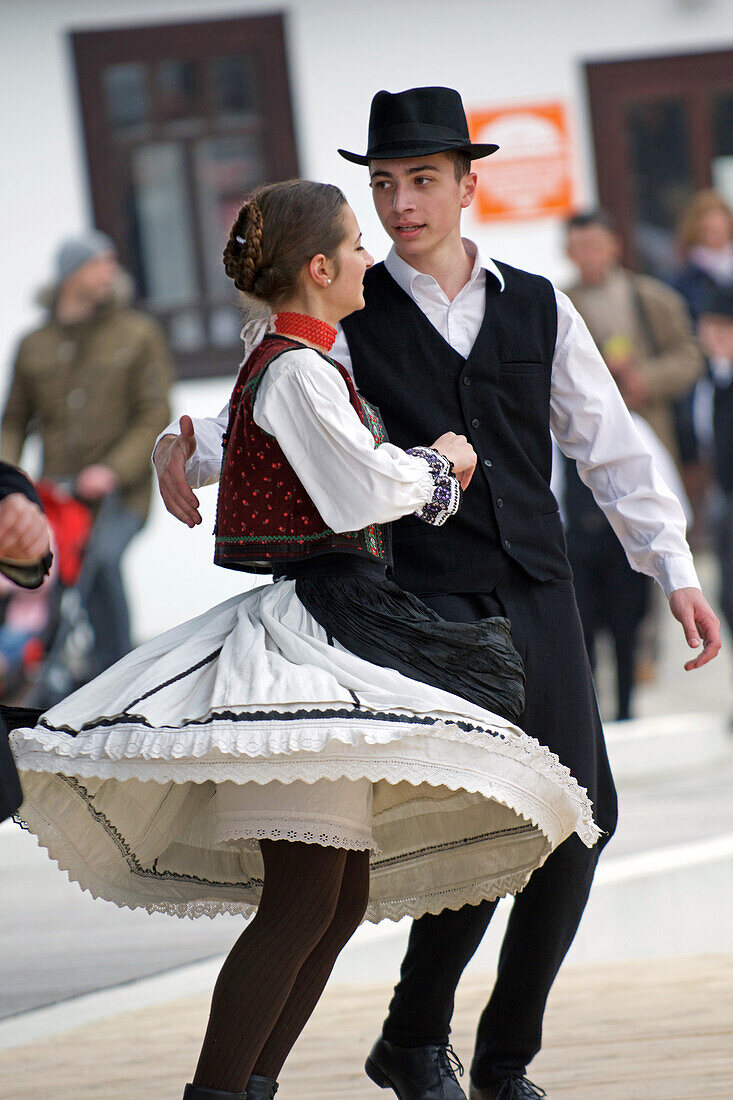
676, 571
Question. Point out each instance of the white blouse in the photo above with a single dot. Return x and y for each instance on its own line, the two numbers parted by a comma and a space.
304, 403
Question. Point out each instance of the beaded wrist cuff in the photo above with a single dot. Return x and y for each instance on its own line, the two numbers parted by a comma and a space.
446, 497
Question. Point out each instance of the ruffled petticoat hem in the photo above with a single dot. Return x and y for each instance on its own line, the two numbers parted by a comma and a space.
308, 746
462, 813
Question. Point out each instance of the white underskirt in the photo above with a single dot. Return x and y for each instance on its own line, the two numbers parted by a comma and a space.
335, 812
247, 720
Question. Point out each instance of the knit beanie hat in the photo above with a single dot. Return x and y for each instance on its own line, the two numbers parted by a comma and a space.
75, 252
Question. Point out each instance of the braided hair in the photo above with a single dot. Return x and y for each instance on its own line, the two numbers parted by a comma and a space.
278, 231
243, 253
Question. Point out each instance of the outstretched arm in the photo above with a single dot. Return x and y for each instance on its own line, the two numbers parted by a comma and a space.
593, 426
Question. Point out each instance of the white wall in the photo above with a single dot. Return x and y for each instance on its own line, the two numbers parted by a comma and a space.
341, 52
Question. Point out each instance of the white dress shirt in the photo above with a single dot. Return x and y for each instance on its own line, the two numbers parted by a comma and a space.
588, 418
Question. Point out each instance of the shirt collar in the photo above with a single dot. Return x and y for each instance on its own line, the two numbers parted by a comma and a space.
407, 277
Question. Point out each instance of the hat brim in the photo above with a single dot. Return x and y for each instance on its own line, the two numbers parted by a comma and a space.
418, 149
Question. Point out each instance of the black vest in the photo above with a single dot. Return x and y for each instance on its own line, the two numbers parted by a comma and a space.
499, 397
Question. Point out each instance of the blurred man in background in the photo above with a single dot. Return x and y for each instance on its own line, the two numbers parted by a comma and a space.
93, 382
641, 326
643, 330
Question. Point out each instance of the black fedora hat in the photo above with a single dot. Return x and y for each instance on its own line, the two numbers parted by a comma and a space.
416, 122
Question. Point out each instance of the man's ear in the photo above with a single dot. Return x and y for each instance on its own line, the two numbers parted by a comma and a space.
469, 184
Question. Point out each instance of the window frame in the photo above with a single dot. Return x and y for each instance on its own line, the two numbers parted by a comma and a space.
108, 159
612, 86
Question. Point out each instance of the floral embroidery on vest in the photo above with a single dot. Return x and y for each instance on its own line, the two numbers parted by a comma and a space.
264, 513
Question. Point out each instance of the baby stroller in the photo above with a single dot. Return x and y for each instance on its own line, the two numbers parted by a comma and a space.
62, 657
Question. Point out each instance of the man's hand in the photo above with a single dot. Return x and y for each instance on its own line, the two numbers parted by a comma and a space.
461, 454
24, 536
170, 458
699, 622
96, 482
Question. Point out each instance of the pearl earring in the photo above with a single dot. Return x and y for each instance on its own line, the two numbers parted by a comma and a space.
328, 281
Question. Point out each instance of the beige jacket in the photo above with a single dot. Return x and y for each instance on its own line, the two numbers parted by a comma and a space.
96, 392
655, 320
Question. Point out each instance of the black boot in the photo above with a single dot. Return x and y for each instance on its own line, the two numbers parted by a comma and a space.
261, 1088
198, 1092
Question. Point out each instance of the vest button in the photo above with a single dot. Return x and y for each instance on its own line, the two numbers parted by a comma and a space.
466, 380
500, 503
507, 544
475, 423
488, 462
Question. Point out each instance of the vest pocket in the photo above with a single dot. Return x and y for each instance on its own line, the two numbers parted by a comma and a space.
521, 368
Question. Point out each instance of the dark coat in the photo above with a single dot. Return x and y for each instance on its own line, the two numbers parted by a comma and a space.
97, 392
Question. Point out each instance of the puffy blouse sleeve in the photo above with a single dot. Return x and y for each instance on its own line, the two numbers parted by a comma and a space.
304, 403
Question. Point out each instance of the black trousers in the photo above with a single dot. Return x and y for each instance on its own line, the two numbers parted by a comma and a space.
561, 712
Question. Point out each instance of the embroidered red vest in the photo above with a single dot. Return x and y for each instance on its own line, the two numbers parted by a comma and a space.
264, 514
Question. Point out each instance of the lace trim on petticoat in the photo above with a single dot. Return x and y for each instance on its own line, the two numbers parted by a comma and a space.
296, 832
230, 739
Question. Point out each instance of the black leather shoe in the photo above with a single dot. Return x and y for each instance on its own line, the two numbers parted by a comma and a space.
198, 1092
416, 1073
508, 1088
261, 1088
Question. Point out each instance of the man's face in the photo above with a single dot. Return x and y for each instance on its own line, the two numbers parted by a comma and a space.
419, 201
94, 281
594, 250
716, 336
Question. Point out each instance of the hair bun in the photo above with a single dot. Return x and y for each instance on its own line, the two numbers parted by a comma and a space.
243, 253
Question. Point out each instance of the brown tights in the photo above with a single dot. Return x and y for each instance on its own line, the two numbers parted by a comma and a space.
313, 899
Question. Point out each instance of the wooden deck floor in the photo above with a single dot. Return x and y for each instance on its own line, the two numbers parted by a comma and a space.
647, 1030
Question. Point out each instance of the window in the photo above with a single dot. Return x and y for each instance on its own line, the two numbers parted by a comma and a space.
180, 123
662, 128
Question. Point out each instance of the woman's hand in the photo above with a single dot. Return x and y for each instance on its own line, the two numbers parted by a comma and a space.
461, 454
170, 458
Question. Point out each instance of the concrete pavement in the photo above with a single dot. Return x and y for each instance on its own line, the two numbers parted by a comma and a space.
643, 1008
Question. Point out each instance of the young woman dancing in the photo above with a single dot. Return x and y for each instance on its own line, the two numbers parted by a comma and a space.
258, 758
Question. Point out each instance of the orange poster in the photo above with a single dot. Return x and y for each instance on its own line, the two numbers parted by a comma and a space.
531, 174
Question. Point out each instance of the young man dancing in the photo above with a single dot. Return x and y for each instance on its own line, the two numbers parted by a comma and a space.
446, 330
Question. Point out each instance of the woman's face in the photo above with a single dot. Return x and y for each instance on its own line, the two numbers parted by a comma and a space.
346, 292
715, 229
